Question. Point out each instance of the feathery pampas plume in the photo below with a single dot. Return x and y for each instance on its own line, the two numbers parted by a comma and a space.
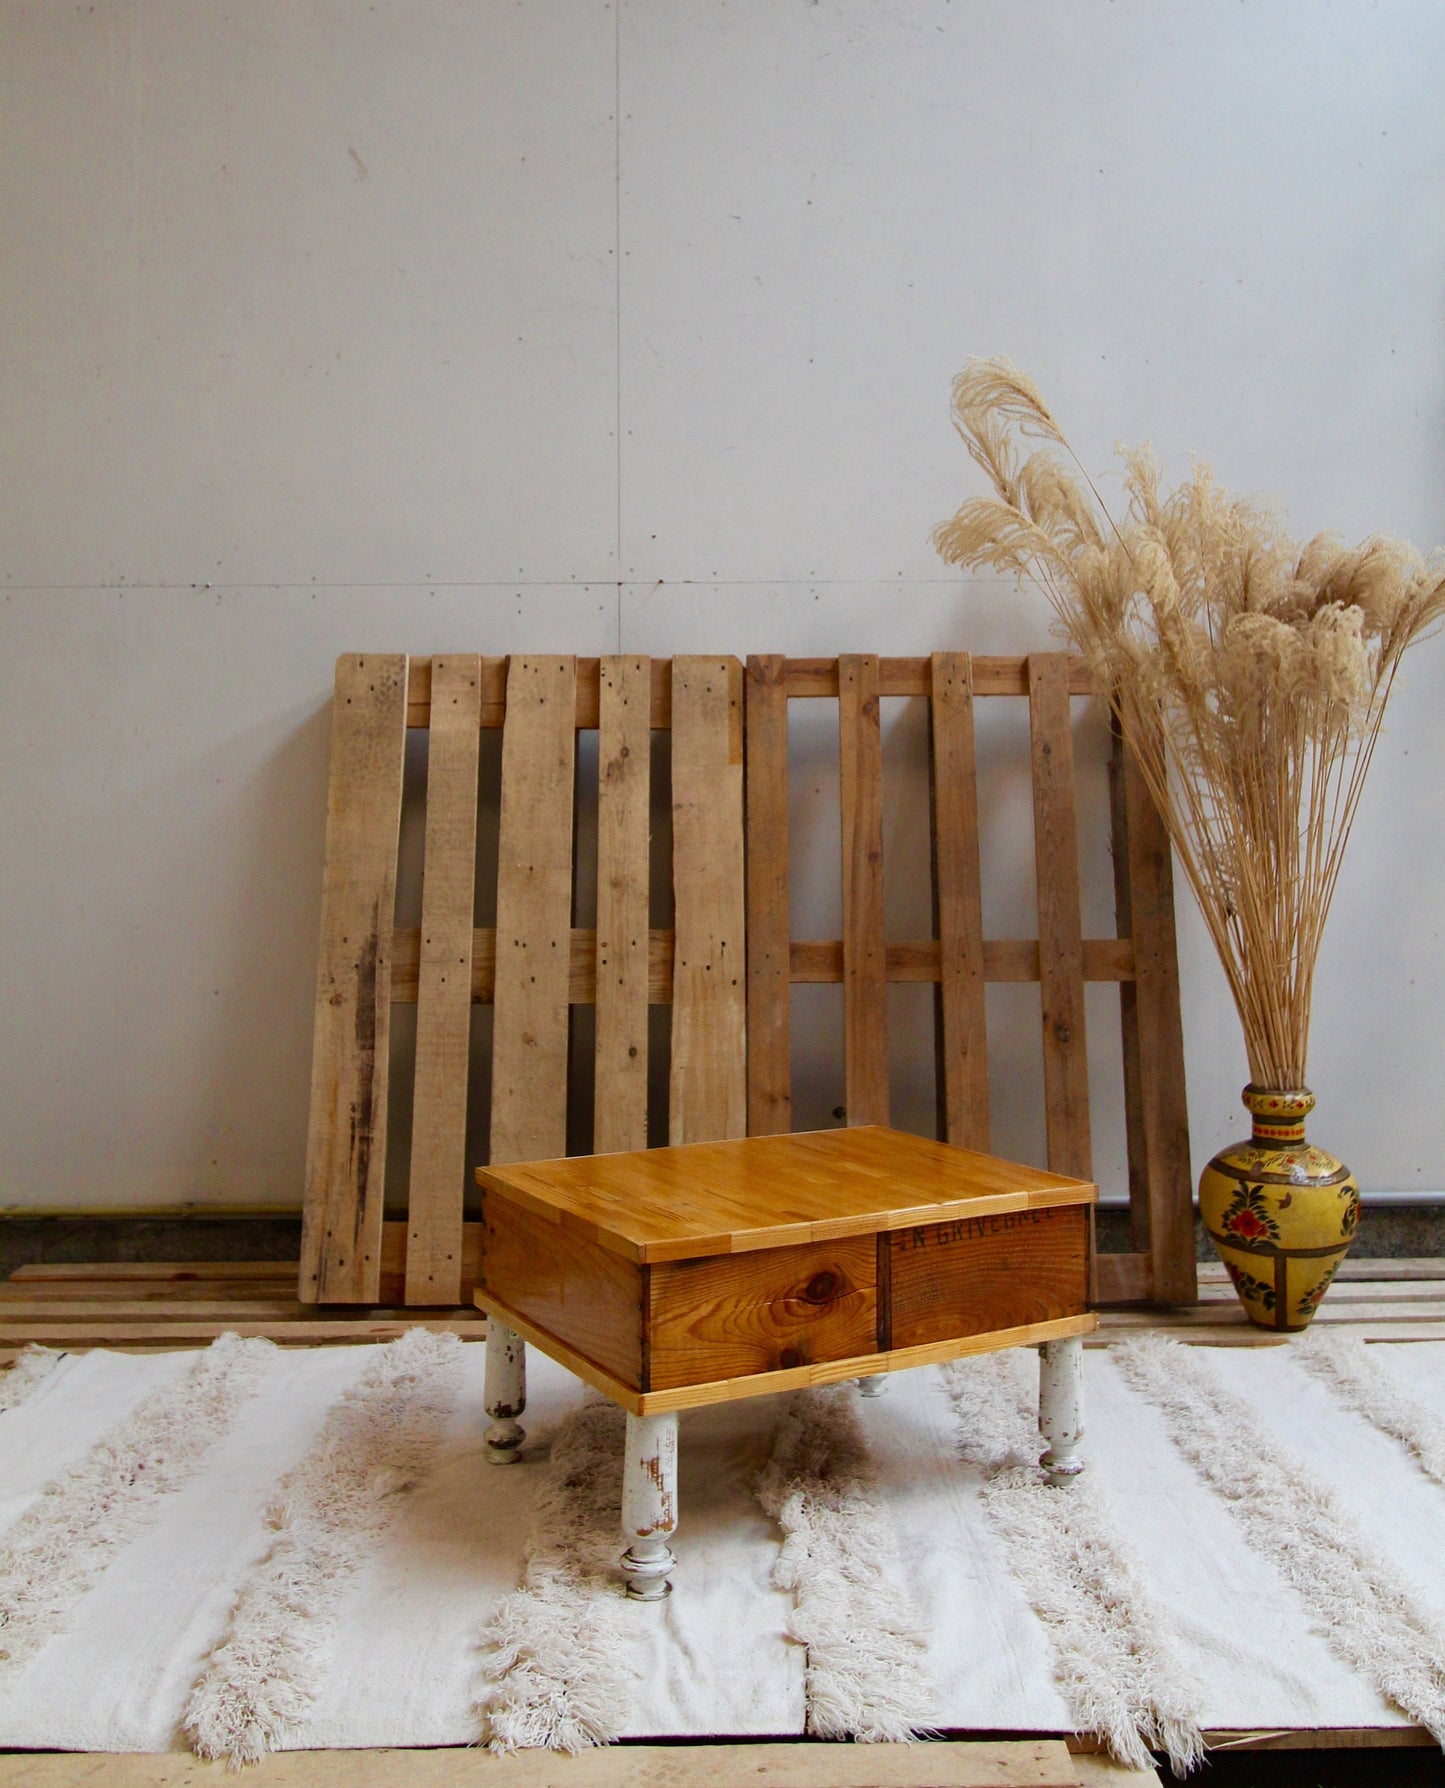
1249, 675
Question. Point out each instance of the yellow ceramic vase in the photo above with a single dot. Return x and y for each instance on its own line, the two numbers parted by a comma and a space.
1280, 1212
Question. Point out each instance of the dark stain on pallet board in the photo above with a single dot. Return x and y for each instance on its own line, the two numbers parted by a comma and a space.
363, 1110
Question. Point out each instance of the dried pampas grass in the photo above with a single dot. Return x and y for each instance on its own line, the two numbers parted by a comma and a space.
1249, 675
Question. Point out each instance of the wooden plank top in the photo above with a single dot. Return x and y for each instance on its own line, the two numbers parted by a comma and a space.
773, 1191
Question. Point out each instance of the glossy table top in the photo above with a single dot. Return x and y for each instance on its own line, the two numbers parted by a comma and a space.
773, 1191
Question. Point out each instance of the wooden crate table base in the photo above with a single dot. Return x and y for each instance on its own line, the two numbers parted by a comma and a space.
676, 1277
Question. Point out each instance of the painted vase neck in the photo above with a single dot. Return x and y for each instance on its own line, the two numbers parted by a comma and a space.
1279, 1117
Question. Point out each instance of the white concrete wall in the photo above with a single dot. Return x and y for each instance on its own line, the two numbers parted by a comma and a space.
443, 324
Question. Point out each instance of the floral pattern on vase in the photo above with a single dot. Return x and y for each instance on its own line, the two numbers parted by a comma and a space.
1280, 1212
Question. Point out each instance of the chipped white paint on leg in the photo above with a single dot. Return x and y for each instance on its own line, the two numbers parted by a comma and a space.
506, 1393
873, 1386
1061, 1407
649, 1504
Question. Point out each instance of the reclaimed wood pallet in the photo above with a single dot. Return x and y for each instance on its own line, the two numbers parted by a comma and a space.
1141, 959
532, 966
725, 963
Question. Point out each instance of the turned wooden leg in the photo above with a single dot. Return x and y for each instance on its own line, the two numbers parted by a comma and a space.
1061, 1407
873, 1386
506, 1393
649, 1504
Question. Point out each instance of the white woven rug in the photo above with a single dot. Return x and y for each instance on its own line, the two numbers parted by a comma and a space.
127, 1627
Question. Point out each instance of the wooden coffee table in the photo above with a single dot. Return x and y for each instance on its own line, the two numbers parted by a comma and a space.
674, 1277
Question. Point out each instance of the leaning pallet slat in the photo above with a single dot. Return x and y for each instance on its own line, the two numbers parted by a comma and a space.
770, 1069
444, 998
1155, 1110
346, 1139
1133, 1064
624, 770
708, 1081
1061, 953
1122, 1278
865, 962
961, 1021
534, 912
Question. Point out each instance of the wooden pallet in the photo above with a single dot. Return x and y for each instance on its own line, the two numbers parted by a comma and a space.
959, 961
532, 966
726, 963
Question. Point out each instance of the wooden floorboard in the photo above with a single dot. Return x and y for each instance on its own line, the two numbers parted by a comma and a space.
1022, 1763
1374, 1300
153, 1306
1320, 1738
150, 1305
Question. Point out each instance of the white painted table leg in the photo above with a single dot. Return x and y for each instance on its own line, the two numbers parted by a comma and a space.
506, 1395
649, 1504
1061, 1407
872, 1386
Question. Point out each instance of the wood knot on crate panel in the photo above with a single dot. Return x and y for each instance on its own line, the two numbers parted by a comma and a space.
770, 1308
